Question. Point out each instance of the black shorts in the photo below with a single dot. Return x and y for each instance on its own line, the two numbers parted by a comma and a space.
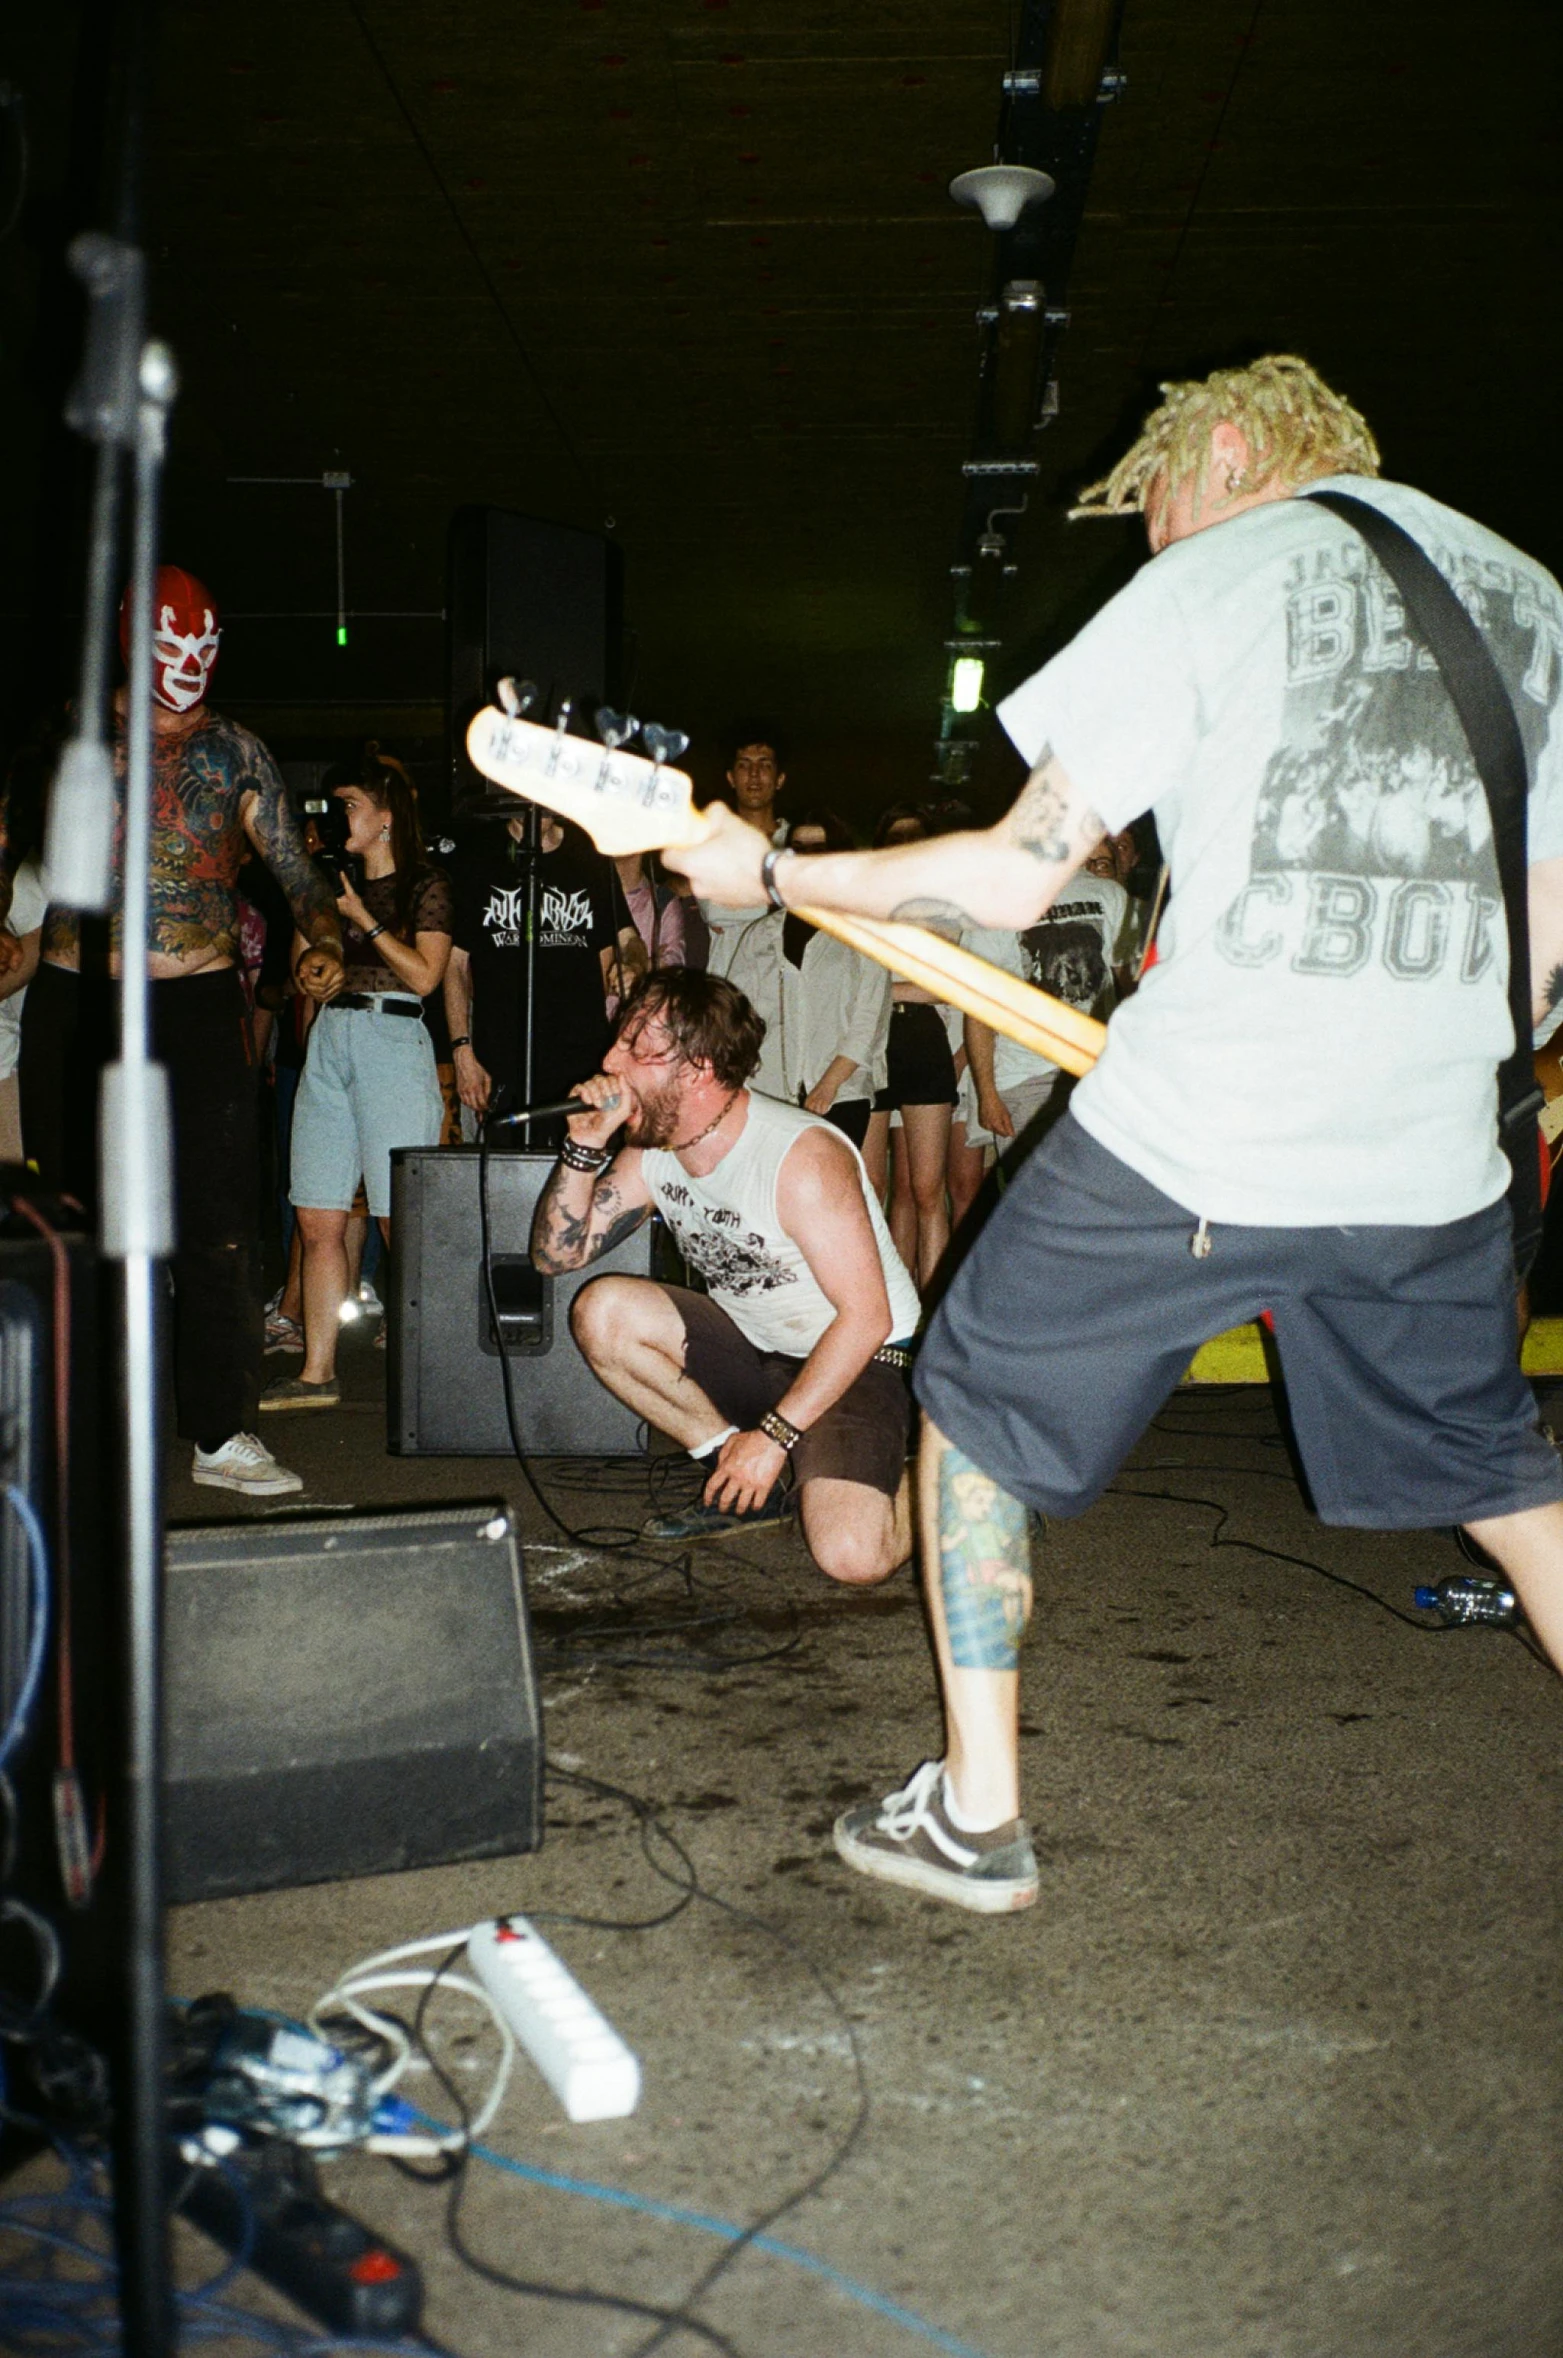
920, 1069
862, 1438
1078, 1309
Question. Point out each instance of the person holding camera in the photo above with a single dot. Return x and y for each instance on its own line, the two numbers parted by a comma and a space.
369, 1083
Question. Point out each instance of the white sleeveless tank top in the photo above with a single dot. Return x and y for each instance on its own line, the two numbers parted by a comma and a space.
728, 1227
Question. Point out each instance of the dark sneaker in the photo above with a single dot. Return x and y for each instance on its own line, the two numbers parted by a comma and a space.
704, 1522
907, 1838
293, 1392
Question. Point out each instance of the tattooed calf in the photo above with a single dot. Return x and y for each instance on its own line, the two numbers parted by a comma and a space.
984, 1566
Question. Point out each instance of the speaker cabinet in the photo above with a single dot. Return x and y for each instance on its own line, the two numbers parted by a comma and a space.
445, 1388
347, 1696
542, 601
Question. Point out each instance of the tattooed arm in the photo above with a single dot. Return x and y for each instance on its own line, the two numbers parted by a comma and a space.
580, 1215
271, 826
579, 1218
1000, 876
1546, 937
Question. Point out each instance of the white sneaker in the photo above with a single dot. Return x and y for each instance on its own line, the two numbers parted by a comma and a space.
244, 1464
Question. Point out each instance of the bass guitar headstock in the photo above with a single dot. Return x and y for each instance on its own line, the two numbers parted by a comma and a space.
626, 801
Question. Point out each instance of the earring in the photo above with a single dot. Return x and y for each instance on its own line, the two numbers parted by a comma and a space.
385, 835
1237, 480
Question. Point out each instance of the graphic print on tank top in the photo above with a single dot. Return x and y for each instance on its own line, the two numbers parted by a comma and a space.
1372, 840
731, 1258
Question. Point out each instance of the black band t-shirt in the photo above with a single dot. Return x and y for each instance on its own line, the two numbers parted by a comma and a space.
574, 926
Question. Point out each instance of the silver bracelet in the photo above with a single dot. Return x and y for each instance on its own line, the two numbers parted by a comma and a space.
768, 876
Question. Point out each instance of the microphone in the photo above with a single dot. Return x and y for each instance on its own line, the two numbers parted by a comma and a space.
543, 1113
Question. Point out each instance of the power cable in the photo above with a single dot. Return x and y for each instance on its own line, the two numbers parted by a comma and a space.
530, 2287
1277, 1555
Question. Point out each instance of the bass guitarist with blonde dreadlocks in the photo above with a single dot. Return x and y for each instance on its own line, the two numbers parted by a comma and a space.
1295, 1113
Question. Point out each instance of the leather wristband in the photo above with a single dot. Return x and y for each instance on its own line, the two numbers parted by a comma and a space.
768, 876
591, 1159
465, 1041
374, 933
779, 1429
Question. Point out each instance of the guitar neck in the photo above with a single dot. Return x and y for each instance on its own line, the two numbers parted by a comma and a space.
628, 804
1032, 1018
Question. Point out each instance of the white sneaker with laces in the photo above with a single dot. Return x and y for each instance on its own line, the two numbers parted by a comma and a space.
245, 1464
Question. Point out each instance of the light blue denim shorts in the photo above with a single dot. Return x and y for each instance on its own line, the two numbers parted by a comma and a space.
368, 1085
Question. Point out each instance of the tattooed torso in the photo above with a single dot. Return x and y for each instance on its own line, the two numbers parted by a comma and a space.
202, 778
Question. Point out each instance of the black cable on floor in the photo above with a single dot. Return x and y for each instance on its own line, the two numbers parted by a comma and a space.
685, 1880
530, 2287
694, 1889
1307, 1564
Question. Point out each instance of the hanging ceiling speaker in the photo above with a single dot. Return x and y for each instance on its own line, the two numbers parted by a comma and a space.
1001, 192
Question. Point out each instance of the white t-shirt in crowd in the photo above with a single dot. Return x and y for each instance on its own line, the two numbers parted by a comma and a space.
1070, 952
28, 902
1318, 1042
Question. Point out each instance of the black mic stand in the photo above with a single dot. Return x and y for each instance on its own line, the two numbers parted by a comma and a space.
526, 853
531, 852
122, 402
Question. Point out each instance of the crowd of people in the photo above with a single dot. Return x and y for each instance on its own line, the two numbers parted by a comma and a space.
328, 990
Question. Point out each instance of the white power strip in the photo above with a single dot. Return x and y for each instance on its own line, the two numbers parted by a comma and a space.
577, 2050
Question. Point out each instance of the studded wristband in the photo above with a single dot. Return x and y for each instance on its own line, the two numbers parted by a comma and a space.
591, 1159
776, 1428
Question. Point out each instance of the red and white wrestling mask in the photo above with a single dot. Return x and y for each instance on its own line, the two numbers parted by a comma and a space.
185, 637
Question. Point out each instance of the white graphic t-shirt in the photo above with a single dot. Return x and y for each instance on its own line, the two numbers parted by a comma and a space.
1318, 1042
727, 1226
1069, 952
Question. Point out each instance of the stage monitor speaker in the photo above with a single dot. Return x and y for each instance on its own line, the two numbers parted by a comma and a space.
445, 1393
541, 601
347, 1695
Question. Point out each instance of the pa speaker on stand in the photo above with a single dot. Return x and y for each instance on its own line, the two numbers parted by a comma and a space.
534, 599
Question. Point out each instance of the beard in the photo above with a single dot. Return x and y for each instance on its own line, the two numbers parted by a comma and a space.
655, 1120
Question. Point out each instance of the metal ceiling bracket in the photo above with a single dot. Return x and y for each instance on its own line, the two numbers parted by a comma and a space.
1000, 466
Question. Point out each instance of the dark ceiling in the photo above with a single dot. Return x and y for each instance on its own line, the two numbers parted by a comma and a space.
688, 269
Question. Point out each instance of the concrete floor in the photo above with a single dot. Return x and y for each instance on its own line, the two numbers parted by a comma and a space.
1272, 2070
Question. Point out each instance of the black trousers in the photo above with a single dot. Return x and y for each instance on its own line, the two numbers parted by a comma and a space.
201, 1034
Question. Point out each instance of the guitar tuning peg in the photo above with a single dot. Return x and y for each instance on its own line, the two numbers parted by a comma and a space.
615, 728
517, 696
663, 745
560, 727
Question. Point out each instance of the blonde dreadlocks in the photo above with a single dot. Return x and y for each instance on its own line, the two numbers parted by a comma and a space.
1294, 425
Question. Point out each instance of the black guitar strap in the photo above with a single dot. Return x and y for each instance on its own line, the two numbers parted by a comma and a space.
1492, 732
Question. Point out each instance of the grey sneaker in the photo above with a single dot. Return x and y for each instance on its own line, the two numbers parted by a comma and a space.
907, 1838
709, 1522
245, 1464
293, 1392
283, 1334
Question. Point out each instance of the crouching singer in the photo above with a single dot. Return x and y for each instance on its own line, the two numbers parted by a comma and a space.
799, 1349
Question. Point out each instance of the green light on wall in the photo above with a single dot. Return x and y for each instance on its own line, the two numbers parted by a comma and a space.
966, 683
341, 634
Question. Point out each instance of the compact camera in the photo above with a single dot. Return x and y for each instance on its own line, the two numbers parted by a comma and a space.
337, 864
